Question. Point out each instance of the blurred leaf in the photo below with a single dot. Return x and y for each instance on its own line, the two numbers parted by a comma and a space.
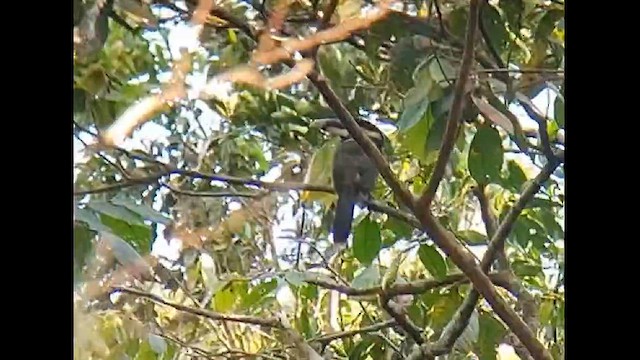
558, 108
117, 212
224, 300
90, 218
294, 278
492, 114
401, 229
486, 155
515, 177
366, 278
144, 211
126, 255
158, 344
319, 173
82, 244
139, 236
367, 241
471, 237
491, 333
495, 28
432, 261
258, 293
442, 72
415, 103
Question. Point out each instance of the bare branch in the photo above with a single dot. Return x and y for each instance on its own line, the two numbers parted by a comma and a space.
402, 320
342, 334
455, 114
262, 321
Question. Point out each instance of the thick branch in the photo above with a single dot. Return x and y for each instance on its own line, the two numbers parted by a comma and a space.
455, 114
402, 320
268, 322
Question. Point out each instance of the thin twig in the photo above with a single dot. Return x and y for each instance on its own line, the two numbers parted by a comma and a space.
262, 321
342, 334
455, 114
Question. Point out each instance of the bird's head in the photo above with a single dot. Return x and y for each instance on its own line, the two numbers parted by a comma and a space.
335, 127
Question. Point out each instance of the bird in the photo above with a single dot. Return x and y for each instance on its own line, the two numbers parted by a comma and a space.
354, 174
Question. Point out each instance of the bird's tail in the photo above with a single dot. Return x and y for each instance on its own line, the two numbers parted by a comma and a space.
343, 217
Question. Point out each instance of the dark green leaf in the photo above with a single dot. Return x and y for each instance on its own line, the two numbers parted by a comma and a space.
432, 261
491, 333
258, 293
82, 244
495, 28
400, 229
513, 10
139, 236
558, 108
548, 23
362, 349
367, 241
486, 155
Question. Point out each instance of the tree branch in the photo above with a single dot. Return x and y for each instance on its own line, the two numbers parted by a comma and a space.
402, 320
497, 240
455, 114
414, 287
342, 334
262, 321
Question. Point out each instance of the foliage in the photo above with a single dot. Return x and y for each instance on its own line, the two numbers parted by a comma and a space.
218, 177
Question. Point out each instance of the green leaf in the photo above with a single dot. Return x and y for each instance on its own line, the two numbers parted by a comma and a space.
400, 229
432, 261
513, 10
558, 109
486, 156
515, 177
367, 278
139, 236
82, 245
144, 211
367, 241
117, 212
224, 300
126, 254
257, 294
90, 218
491, 333
495, 28
471, 237
362, 349
416, 103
